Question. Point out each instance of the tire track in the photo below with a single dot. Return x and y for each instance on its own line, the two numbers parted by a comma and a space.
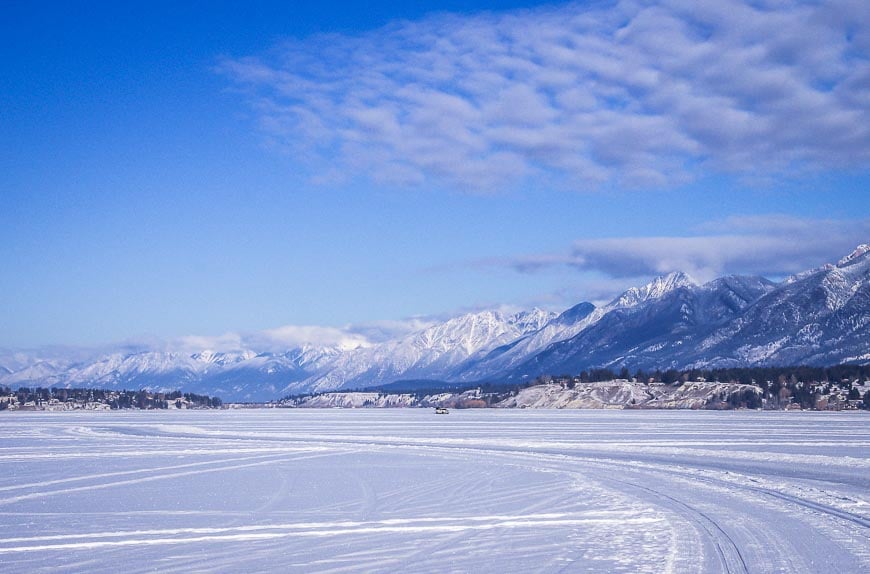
701, 502
159, 537
268, 461
728, 550
730, 557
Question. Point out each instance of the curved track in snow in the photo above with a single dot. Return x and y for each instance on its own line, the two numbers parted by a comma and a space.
403, 490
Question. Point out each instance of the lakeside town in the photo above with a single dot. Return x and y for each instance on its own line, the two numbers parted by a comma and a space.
54, 399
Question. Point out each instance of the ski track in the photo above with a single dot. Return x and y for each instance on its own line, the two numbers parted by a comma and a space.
403, 491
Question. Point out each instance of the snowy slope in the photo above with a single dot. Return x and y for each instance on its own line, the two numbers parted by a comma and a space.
502, 358
654, 326
817, 317
431, 353
619, 394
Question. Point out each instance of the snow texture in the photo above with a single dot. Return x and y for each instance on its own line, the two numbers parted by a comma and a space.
404, 490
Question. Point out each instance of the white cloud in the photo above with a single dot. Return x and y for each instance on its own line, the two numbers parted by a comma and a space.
280, 339
198, 343
385, 330
291, 336
627, 93
772, 246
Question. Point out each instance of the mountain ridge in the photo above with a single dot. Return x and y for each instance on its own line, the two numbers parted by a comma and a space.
820, 316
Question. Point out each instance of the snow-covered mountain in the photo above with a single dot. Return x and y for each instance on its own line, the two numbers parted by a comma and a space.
433, 353
649, 327
506, 356
246, 374
817, 317
564, 327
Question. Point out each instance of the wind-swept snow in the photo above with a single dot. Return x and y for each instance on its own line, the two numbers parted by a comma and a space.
405, 491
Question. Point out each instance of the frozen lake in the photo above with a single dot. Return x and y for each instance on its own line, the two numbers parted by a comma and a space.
409, 491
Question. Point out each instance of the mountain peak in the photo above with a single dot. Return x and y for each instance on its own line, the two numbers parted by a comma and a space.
575, 313
860, 251
655, 289
675, 280
532, 320
473, 332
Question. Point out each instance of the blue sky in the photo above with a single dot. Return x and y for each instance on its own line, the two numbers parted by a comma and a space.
216, 168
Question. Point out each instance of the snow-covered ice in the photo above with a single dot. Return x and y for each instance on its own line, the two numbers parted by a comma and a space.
404, 490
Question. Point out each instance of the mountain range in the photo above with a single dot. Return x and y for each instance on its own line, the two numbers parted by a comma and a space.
819, 317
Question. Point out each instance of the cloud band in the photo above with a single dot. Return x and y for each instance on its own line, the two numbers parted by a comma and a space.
626, 93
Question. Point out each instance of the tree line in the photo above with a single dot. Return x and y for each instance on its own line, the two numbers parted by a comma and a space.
779, 387
122, 399
803, 385
743, 375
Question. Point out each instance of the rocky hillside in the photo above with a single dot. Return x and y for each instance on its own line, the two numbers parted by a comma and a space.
621, 394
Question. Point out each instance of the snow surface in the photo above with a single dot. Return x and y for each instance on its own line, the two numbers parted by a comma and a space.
371, 490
